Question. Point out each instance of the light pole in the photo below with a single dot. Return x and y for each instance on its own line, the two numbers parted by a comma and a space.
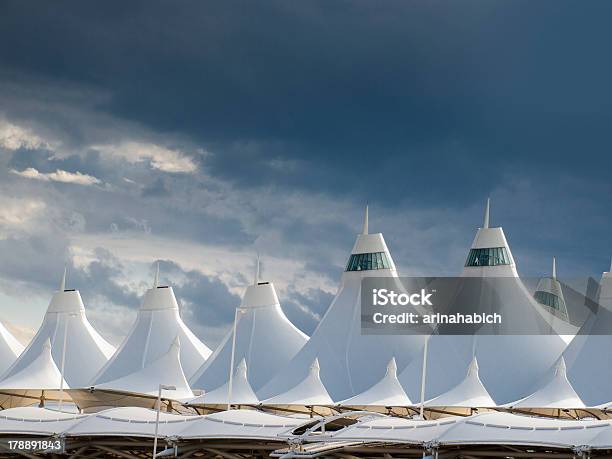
423, 376
161, 387
63, 364
231, 370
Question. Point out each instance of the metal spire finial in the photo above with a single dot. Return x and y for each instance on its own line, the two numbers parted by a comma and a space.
486, 214
156, 280
63, 281
554, 268
257, 268
365, 221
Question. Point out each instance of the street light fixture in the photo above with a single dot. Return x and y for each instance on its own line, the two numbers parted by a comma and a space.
161, 387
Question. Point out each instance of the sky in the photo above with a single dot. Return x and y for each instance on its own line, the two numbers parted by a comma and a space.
200, 134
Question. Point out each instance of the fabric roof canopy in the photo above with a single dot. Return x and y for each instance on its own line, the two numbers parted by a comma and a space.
265, 339
157, 324
65, 322
350, 361
242, 392
386, 392
524, 360
10, 349
166, 370
310, 391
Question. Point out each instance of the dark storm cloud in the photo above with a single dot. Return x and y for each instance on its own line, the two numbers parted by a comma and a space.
208, 298
444, 92
101, 278
306, 309
156, 189
420, 108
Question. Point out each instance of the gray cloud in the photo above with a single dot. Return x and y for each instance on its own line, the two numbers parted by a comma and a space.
211, 134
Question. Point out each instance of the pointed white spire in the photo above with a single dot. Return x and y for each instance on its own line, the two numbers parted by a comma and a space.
257, 268
392, 367
63, 281
365, 222
315, 367
486, 214
554, 268
473, 367
561, 369
156, 280
241, 369
176, 343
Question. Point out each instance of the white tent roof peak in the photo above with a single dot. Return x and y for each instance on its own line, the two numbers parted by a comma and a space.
557, 393
66, 301
40, 373
241, 370
242, 392
386, 392
473, 368
63, 281
10, 348
486, 214
469, 393
176, 344
392, 368
159, 297
310, 391
315, 368
264, 337
561, 369
259, 295
351, 362
157, 324
492, 239
167, 369
365, 221
65, 321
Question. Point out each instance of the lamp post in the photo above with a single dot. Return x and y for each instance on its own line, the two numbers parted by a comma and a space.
161, 387
63, 364
231, 370
423, 376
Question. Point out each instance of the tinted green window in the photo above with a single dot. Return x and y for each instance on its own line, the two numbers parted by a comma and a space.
548, 299
488, 257
367, 261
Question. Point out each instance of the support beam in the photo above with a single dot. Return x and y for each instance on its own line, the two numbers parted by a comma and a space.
224, 454
20, 453
116, 452
79, 452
